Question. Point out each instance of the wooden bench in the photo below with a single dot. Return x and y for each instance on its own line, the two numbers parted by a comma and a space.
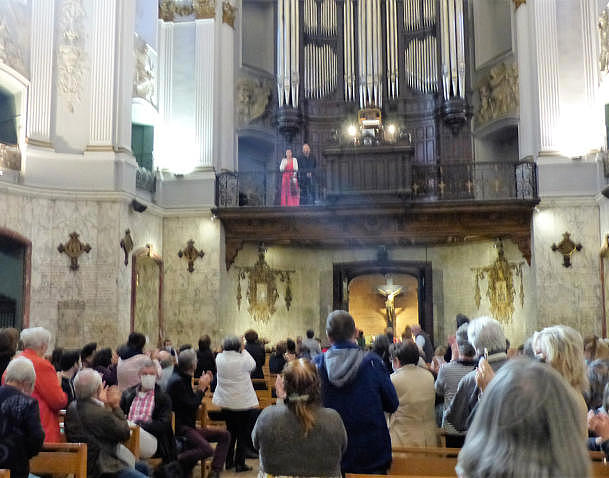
430, 461
61, 458
5, 474
265, 397
354, 475
600, 469
133, 442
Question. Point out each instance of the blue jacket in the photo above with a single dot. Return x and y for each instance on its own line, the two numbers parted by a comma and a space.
357, 386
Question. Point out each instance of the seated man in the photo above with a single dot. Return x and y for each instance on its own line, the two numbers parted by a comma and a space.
167, 364
185, 405
21, 434
96, 419
148, 406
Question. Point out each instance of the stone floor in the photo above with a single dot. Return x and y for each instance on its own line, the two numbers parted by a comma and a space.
231, 473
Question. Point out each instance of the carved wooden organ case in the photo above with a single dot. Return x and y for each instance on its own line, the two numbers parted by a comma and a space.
407, 57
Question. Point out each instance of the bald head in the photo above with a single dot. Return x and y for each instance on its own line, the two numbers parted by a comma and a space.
165, 359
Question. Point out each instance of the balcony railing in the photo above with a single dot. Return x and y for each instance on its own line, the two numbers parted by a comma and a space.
448, 182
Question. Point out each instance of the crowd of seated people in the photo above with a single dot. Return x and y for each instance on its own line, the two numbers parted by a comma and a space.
535, 411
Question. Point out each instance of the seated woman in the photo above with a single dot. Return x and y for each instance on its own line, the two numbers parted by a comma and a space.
277, 358
315, 436
414, 422
528, 424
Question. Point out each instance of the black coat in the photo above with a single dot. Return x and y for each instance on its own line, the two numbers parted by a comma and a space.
205, 362
256, 350
160, 423
21, 434
184, 399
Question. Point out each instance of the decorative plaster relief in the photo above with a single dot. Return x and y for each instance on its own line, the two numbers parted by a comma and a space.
10, 52
170, 10
145, 74
228, 13
253, 98
71, 56
499, 93
15, 32
603, 30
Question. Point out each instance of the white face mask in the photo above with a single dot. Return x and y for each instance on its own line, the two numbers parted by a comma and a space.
148, 381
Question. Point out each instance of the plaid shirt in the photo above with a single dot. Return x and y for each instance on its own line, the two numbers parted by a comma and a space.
142, 407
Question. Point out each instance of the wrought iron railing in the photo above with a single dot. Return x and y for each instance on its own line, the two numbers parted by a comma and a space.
481, 181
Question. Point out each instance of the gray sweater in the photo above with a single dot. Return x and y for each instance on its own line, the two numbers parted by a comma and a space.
284, 450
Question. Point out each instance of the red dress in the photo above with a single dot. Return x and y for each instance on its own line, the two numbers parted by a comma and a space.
290, 192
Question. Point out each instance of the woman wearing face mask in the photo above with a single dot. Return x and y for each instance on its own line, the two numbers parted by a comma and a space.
413, 423
148, 406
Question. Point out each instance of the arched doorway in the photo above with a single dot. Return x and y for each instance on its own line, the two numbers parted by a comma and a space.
15, 272
360, 281
147, 294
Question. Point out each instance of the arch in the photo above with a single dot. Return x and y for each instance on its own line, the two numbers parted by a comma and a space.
27, 269
147, 252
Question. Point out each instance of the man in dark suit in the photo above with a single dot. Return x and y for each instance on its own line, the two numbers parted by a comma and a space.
306, 175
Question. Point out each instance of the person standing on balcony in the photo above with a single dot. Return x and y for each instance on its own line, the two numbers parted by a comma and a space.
290, 191
306, 176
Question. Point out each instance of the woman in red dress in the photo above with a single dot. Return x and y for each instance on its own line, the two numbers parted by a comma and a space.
290, 192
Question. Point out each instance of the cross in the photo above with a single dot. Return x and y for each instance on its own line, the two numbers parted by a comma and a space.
73, 249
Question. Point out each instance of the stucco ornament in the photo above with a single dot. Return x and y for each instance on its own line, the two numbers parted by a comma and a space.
603, 29
71, 56
11, 53
253, 97
145, 71
204, 8
499, 93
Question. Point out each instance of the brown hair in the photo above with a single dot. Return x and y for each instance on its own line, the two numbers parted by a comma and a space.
251, 336
303, 391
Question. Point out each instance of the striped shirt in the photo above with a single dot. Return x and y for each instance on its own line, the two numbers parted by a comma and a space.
447, 382
142, 407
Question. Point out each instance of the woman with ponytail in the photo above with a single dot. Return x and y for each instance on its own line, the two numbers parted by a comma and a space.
299, 437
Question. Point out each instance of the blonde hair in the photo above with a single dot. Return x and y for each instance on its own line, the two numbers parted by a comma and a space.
303, 391
563, 348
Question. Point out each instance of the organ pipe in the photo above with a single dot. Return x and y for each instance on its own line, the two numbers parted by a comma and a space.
288, 37
370, 53
453, 48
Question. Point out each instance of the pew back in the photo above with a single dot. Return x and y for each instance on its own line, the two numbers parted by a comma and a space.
64, 458
424, 461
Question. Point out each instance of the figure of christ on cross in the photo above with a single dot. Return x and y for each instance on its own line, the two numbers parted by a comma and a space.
390, 292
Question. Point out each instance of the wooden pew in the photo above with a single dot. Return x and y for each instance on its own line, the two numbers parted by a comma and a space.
265, 397
133, 442
600, 469
354, 475
61, 458
5, 474
430, 461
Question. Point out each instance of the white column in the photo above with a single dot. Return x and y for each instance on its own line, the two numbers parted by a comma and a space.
226, 97
546, 51
103, 48
524, 47
204, 90
41, 68
165, 42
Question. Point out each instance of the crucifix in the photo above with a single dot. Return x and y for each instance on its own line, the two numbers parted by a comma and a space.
390, 291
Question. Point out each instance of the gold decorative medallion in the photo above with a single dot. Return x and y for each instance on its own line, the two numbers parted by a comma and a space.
567, 248
191, 253
73, 249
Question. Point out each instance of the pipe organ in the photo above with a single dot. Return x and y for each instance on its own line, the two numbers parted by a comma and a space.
288, 53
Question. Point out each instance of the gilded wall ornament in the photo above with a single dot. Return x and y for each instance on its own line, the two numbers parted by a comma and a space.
499, 93
191, 253
167, 10
228, 13
262, 293
518, 3
71, 56
127, 245
501, 289
204, 9
74, 249
567, 248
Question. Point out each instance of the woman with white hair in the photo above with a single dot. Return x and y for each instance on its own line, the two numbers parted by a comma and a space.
21, 435
51, 398
527, 425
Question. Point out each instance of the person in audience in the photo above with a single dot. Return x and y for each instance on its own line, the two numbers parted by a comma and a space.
527, 425
290, 353
407, 334
95, 418
184, 347
205, 357
361, 339
167, 366
21, 435
413, 423
256, 350
168, 346
487, 338
56, 358
438, 359
563, 349
104, 362
448, 380
598, 377
235, 394
356, 385
595, 348
310, 347
131, 361
452, 352
47, 390
423, 340
381, 348
150, 407
8, 346
69, 365
277, 359
302, 421
87, 353
185, 402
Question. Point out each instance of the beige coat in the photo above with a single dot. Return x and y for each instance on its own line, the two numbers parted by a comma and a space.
414, 423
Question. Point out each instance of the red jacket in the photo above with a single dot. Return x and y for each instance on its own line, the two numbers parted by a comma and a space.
51, 398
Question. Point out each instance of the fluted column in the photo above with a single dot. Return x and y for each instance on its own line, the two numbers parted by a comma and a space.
41, 68
546, 51
204, 90
103, 49
226, 87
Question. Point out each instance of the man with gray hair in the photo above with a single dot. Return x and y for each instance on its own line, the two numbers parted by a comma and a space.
96, 419
21, 434
487, 338
167, 364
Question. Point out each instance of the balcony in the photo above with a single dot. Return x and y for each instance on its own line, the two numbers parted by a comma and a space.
352, 205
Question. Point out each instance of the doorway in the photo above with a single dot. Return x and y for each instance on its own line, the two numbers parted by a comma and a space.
356, 289
146, 295
15, 260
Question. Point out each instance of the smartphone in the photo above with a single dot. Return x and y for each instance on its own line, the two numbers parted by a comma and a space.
485, 354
